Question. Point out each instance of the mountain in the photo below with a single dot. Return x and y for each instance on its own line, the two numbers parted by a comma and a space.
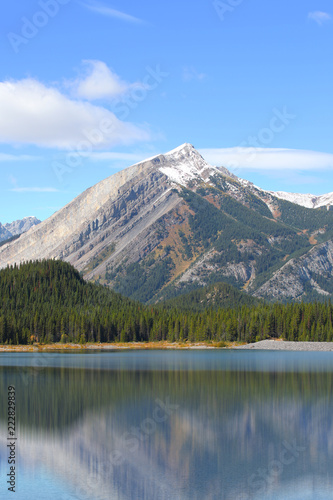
305, 200
17, 227
174, 223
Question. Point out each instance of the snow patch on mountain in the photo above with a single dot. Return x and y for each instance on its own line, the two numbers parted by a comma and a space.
305, 200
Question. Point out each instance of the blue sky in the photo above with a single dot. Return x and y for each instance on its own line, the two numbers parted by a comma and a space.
88, 88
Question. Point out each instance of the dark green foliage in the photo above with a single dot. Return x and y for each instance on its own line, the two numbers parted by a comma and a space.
207, 221
49, 301
143, 279
218, 295
258, 205
217, 277
304, 218
251, 219
252, 201
187, 247
212, 227
170, 291
235, 221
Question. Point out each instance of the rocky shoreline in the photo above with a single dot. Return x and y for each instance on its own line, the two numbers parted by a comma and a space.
282, 345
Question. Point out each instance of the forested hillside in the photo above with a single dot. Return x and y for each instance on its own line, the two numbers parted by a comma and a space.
49, 301
216, 296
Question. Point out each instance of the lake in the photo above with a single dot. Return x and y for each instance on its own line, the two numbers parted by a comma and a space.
146, 425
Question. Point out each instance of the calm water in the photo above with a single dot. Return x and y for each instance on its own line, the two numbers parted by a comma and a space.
145, 425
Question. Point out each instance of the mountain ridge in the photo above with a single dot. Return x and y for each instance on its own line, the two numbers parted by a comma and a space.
173, 223
17, 227
306, 200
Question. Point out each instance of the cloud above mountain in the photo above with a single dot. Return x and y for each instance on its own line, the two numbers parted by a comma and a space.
268, 159
99, 82
41, 115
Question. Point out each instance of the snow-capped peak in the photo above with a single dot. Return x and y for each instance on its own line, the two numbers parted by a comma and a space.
184, 164
182, 147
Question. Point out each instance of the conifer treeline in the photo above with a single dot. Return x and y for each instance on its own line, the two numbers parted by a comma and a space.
49, 302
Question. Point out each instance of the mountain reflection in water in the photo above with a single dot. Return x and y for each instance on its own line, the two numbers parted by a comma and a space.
207, 425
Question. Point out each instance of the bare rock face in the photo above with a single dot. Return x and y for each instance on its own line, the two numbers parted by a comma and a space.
314, 270
119, 207
173, 223
4, 233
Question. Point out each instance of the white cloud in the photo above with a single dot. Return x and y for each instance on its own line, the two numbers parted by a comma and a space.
190, 73
107, 11
32, 113
34, 190
269, 159
10, 157
319, 17
100, 82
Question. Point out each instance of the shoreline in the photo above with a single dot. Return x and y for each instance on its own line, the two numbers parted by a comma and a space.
285, 345
269, 345
118, 346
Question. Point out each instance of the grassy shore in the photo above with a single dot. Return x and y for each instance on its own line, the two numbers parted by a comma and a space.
269, 344
119, 345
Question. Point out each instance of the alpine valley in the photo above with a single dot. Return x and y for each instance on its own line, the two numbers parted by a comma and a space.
173, 223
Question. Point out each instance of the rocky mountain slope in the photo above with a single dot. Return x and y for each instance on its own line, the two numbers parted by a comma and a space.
17, 227
174, 223
308, 275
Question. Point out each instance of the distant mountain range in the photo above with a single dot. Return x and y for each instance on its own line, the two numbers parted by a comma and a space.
305, 200
174, 223
17, 227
